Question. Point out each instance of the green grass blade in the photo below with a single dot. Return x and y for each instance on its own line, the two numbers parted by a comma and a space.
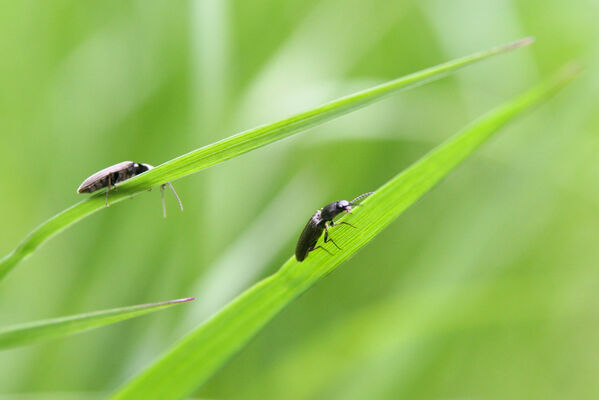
197, 356
22, 335
236, 145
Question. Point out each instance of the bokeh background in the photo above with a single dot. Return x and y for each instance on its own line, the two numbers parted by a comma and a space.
487, 288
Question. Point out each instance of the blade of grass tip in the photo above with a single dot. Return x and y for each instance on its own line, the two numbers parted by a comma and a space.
25, 334
202, 352
234, 146
257, 137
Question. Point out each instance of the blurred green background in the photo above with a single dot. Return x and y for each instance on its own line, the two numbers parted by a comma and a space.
488, 288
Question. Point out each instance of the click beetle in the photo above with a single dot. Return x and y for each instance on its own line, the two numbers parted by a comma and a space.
117, 173
321, 221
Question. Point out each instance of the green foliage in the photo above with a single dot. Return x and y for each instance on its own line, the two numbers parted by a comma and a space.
241, 143
484, 288
39, 331
200, 354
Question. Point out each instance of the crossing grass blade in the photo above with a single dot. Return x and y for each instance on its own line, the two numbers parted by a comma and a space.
39, 331
202, 352
236, 145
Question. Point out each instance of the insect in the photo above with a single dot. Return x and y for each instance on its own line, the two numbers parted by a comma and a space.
117, 173
321, 221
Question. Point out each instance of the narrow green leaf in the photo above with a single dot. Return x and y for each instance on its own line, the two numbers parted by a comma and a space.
236, 145
201, 353
21, 335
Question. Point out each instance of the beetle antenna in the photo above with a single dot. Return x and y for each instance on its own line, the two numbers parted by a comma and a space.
360, 197
176, 196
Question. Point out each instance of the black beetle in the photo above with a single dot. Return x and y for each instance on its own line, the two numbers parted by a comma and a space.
321, 221
110, 176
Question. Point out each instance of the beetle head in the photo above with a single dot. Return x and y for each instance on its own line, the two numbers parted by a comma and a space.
330, 211
344, 205
141, 167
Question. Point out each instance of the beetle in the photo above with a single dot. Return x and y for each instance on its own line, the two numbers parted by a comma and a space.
321, 221
117, 173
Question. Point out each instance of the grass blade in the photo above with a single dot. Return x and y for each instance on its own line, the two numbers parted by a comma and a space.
236, 145
22, 335
197, 356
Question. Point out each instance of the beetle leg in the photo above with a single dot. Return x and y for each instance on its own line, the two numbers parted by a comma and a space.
162, 197
328, 239
343, 223
176, 195
331, 240
320, 247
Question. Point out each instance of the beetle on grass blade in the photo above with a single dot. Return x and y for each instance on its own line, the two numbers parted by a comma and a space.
117, 173
321, 221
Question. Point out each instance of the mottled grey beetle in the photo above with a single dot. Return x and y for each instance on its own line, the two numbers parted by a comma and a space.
321, 221
117, 173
